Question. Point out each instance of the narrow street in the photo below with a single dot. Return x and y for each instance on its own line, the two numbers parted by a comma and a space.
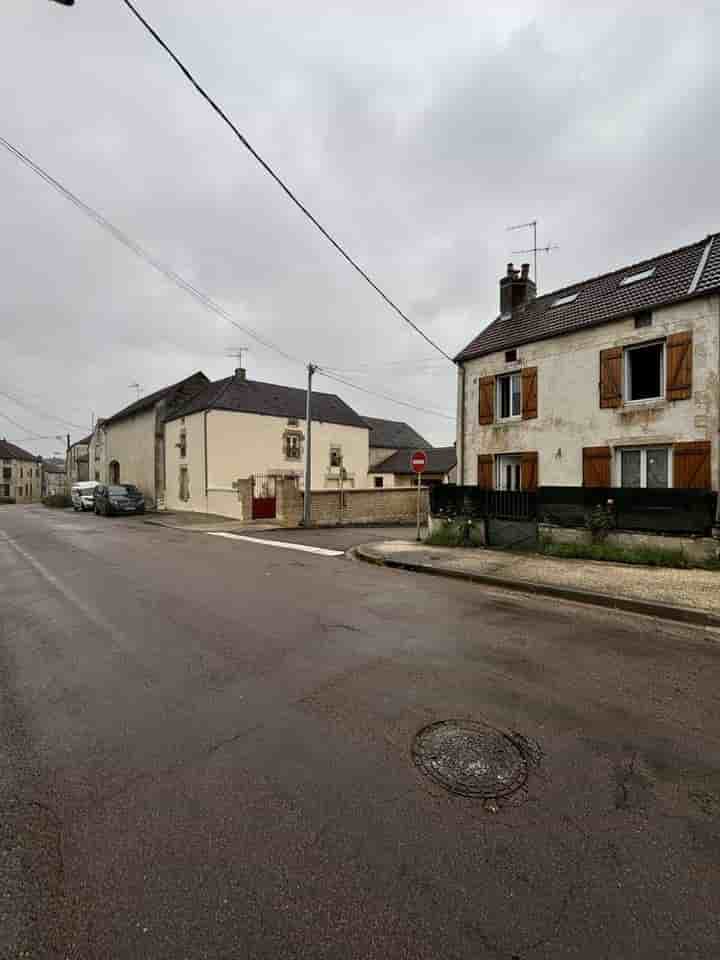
206, 753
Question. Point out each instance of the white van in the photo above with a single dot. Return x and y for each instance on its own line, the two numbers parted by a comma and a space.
81, 495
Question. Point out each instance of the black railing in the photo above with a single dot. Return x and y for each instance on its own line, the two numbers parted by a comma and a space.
631, 508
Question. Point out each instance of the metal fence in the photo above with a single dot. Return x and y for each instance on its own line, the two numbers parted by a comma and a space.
632, 508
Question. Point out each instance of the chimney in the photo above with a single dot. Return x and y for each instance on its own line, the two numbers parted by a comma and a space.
240, 374
516, 289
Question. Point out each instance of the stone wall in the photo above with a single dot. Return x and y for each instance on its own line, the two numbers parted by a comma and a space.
696, 549
329, 507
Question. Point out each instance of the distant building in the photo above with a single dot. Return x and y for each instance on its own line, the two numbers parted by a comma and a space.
76, 461
396, 471
20, 476
53, 477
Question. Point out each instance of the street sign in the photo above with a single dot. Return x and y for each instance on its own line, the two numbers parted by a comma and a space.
418, 461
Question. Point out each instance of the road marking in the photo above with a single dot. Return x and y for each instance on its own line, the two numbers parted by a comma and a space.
320, 551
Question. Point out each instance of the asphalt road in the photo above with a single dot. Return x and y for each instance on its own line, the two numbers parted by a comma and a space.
205, 753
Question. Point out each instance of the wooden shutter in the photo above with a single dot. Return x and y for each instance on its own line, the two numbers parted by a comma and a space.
485, 472
611, 377
529, 471
596, 467
678, 377
691, 466
486, 410
529, 393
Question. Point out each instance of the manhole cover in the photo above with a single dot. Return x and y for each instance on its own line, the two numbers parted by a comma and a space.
470, 759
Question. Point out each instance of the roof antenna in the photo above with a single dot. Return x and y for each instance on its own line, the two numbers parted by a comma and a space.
237, 354
534, 249
136, 387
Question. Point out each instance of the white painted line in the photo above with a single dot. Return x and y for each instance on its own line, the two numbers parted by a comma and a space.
320, 551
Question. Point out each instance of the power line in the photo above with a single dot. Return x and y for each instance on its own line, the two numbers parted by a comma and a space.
41, 413
384, 396
32, 434
139, 251
281, 183
170, 274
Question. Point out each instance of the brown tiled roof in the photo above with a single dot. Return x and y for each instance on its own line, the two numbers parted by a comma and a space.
268, 399
8, 451
439, 460
605, 298
395, 434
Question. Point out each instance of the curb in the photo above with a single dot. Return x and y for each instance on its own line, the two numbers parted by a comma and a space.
648, 608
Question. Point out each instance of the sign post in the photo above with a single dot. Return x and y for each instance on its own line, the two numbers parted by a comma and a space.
418, 462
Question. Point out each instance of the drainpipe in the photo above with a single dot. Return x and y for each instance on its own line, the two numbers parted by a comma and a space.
460, 445
205, 459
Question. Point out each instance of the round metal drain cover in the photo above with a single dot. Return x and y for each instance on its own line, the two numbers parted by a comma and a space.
470, 759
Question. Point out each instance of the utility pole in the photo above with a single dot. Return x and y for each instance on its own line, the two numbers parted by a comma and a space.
307, 506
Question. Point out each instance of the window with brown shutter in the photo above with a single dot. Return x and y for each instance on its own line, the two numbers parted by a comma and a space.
679, 366
486, 407
529, 471
691, 466
596, 467
485, 472
529, 393
611, 362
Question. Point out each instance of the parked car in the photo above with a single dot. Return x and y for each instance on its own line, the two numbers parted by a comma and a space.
82, 495
118, 498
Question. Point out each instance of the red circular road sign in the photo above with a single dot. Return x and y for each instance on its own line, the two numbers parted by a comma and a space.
418, 461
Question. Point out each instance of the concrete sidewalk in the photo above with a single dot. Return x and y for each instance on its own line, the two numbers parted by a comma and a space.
210, 522
690, 596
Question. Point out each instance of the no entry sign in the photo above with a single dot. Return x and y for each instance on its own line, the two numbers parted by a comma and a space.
418, 461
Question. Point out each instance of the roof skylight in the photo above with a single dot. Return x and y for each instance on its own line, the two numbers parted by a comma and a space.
637, 277
561, 301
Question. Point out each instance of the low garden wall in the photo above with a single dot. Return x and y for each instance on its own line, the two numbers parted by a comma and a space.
697, 550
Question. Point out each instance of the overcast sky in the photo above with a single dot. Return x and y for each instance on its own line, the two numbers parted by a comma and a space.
416, 132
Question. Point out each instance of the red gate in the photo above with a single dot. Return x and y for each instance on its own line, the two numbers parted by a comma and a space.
264, 499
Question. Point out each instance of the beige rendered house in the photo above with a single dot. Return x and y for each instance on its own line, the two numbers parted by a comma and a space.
612, 381
396, 471
20, 474
129, 446
76, 461
237, 429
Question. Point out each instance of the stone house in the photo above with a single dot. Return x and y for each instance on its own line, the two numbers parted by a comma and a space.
129, 446
396, 471
53, 477
391, 444
76, 461
237, 428
20, 473
612, 381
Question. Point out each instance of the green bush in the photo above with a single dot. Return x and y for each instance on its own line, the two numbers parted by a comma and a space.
647, 556
454, 533
57, 500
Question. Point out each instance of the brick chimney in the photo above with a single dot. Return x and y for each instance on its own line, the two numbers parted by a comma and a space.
240, 373
516, 289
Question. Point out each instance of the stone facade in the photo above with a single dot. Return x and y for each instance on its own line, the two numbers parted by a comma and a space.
569, 415
20, 479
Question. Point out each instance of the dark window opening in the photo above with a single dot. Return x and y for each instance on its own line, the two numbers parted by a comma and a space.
645, 372
379, 481
510, 356
643, 319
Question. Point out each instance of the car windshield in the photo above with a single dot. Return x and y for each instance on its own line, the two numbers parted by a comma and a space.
123, 490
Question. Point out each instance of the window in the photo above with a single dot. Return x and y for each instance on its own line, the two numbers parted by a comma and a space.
183, 443
7, 473
643, 319
379, 481
561, 301
508, 472
645, 467
184, 492
21, 472
336, 456
97, 474
510, 356
508, 396
644, 371
292, 421
4, 489
293, 446
637, 277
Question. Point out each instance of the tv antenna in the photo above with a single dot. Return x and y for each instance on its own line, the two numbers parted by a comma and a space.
534, 249
237, 354
137, 388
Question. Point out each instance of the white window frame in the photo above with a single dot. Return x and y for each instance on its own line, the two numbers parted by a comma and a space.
626, 371
498, 406
643, 451
501, 461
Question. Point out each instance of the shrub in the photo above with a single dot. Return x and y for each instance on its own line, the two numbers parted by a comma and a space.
454, 533
648, 556
57, 500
